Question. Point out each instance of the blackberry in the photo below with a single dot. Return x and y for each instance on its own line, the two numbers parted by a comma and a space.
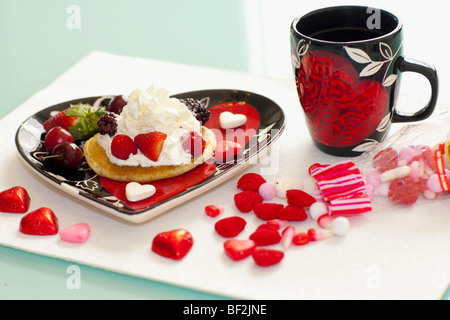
107, 124
197, 108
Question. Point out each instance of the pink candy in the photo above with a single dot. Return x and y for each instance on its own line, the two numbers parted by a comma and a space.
78, 233
267, 191
343, 187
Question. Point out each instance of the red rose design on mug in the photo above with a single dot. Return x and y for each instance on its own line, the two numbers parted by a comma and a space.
341, 110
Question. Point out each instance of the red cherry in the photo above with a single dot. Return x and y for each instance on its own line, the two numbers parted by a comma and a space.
55, 136
68, 154
117, 103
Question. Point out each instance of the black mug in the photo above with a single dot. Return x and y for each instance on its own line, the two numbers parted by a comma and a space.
348, 62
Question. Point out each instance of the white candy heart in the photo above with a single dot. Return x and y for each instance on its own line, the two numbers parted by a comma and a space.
136, 192
230, 120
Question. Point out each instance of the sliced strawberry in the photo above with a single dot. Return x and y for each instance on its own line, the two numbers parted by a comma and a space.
239, 249
151, 144
80, 120
194, 144
122, 147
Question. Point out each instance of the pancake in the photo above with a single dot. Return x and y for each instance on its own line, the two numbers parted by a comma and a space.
97, 159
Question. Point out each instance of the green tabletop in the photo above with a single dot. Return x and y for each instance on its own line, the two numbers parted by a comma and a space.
39, 40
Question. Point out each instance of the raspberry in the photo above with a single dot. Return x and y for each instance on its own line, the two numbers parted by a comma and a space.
107, 124
230, 227
245, 201
266, 235
292, 213
267, 211
122, 146
267, 257
299, 198
250, 182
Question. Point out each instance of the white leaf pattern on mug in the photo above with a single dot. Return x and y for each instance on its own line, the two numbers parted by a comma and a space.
389, 81
360, 56
385, 50
371, 69
367, 146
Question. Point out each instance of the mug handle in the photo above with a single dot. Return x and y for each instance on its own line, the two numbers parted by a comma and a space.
431, 74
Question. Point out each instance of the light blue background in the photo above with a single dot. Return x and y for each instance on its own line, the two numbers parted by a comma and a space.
36, 46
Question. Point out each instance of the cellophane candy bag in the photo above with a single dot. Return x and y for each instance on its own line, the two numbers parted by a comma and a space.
410, 166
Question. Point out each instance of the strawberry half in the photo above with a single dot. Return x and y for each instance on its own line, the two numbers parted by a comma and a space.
150, 144
80, 120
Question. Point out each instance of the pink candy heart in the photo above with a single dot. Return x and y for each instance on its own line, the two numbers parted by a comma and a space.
78, 233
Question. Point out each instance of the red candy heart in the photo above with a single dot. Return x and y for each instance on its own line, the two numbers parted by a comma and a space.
267, 211
299, 198
250, 182
239, 249
230, 227
404, 191
42, 222
173, 244
266, 235
267, 257
292, 213
385, 160
14, 200
246, 200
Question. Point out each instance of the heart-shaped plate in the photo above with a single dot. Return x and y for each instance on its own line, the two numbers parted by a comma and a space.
265, 119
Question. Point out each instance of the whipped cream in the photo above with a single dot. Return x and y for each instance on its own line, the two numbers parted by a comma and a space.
154, 110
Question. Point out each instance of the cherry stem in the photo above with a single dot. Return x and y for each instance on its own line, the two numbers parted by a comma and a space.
41, 158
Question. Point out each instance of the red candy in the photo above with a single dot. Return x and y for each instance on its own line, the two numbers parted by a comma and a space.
292, 213
267, 211
213, 210
385, 160
300, 239
230, 227
239, 249
173, 244
299, 198
267, 257
266, 235
404, 191
250, 182
246, 200
14, 200
41, 222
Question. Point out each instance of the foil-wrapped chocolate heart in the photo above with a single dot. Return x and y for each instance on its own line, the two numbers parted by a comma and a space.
42, 222
14, 200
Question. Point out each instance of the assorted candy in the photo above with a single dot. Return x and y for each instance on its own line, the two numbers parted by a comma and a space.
406, 175
278, 220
